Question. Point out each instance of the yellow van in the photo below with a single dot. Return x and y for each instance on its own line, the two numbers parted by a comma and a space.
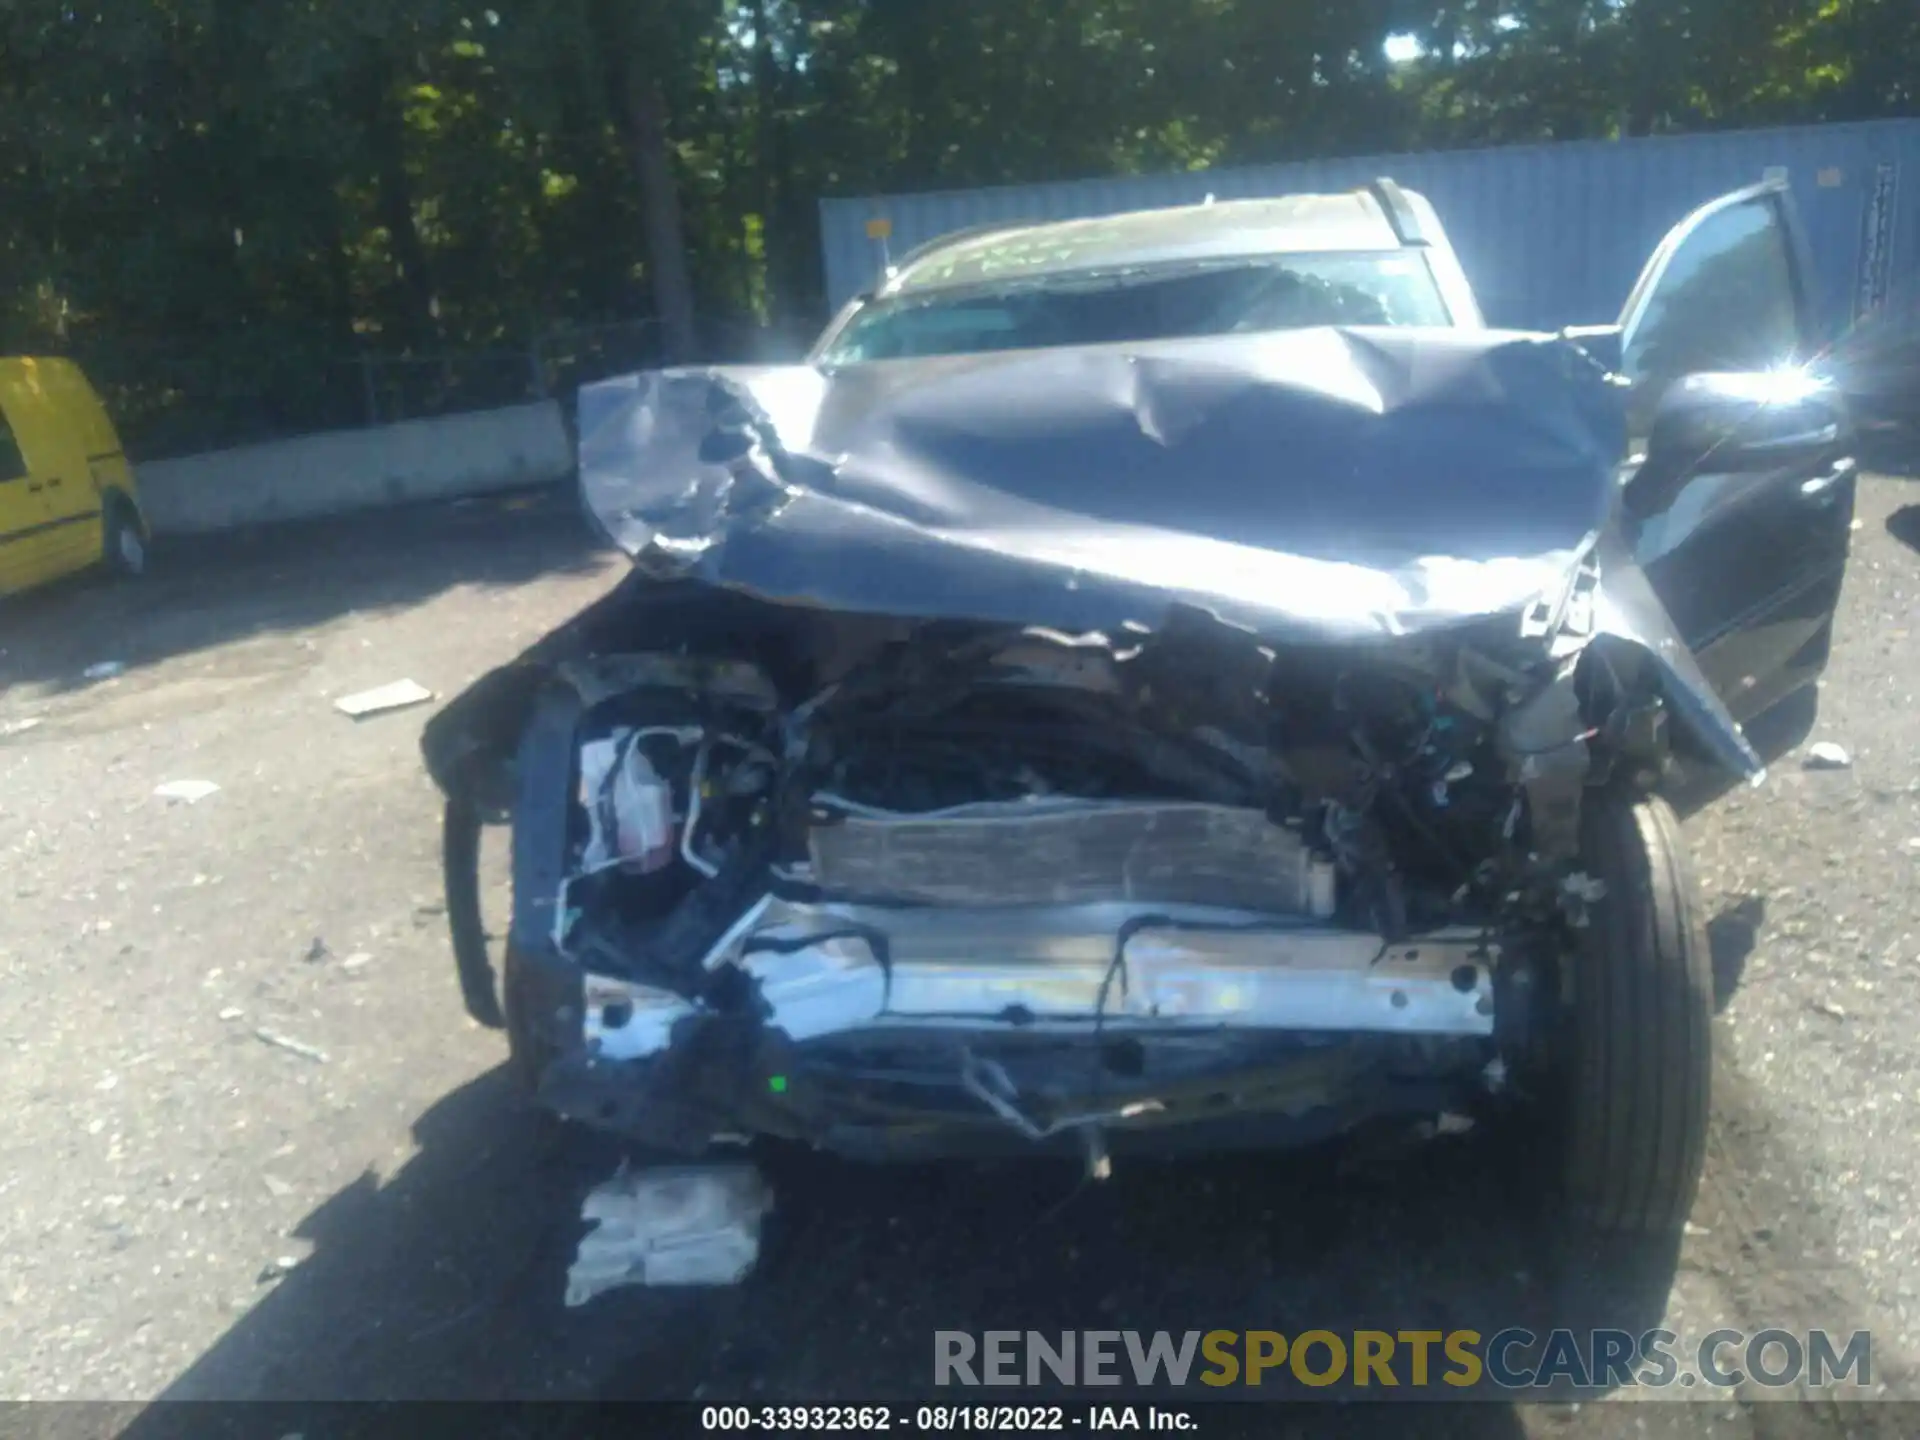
67, 498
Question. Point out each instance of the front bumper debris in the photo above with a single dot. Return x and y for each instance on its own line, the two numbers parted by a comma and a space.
837, 970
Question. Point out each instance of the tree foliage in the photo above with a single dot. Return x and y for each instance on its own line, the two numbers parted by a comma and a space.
268, 188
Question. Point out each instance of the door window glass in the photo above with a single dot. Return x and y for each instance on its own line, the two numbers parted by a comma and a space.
1724, 302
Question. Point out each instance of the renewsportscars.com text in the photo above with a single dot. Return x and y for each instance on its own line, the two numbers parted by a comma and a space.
1512, 1359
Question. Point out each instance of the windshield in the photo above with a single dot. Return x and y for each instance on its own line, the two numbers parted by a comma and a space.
1289, 292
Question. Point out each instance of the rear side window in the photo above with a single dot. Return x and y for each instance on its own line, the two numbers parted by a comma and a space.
12, 464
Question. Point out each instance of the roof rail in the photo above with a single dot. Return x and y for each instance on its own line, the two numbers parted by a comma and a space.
954, 237
1398, 210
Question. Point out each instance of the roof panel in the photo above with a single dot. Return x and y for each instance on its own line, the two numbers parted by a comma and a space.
1295, 224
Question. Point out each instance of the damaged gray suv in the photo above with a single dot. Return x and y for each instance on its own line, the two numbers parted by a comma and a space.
1174, 679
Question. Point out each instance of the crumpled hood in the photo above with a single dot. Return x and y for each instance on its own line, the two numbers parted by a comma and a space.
1345, 481
1318, 485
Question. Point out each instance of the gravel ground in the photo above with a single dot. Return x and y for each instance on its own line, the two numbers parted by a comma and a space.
190, 1210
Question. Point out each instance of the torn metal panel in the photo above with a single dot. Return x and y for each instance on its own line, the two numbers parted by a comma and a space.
1332, 483
1626, 608
1310, 486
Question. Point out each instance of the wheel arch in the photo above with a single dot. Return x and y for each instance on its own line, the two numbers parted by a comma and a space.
119, 498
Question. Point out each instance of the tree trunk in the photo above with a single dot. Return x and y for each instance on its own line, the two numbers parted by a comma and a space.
393, 187
905, 35
646, 129
336, 265
226, 157
767, 166
1650, 64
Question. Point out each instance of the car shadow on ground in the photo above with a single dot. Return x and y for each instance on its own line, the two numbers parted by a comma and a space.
204, 591
1774, 736
447, 1280
1904, 526
1894, 452
1732, 935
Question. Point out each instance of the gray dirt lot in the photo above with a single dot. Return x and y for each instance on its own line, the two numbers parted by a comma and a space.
161, 1160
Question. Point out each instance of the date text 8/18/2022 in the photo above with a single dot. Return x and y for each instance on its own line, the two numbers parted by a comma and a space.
941, 1419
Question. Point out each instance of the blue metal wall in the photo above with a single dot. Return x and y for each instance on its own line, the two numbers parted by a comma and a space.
1550, 235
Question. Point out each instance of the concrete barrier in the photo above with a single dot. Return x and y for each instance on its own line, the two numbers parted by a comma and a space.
348, 470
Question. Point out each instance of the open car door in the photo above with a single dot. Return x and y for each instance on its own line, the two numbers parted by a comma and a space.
1741, 506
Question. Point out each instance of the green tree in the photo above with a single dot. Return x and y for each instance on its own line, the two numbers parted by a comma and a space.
220, 203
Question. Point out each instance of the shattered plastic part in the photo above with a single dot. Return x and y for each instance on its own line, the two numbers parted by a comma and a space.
628, 805
1579, 893
628, 1020
688, 1225
643, 814
597, 758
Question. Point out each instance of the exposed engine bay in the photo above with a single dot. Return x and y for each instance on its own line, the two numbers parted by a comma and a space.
878, 885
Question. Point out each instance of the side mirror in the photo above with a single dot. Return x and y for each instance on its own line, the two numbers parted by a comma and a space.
1603, 344
1735, 424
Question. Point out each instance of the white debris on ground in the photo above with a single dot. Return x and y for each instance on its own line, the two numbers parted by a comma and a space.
1828, 756
683, 1225
291, 1045
105, 670
190, 792
20, 727
398, 696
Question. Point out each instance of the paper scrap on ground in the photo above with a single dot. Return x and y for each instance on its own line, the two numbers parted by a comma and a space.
20, 727
1828, 756
681, 1225
397, 696
105, 670
190, 791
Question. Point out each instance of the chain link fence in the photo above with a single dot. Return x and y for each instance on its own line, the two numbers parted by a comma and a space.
170, 400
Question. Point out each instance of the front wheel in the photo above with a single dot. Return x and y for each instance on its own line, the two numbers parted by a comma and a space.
1641, 1066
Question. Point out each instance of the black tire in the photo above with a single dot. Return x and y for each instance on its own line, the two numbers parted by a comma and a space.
1641, 1069
123, 539
461, 826
1819, 650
